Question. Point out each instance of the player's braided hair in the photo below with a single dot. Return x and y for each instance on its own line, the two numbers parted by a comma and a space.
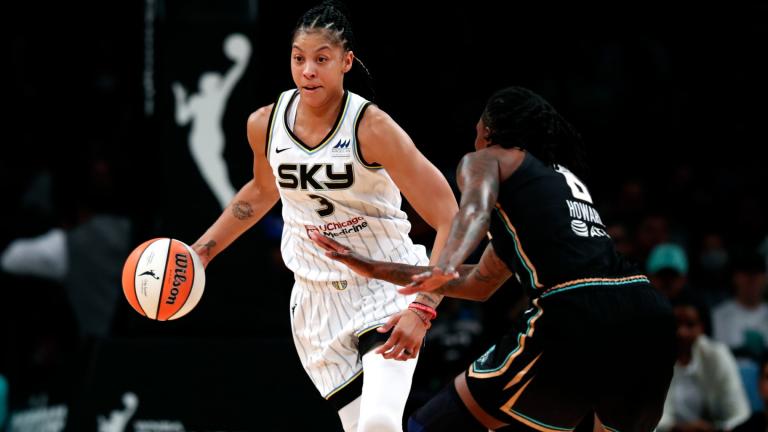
331, 16
518, 117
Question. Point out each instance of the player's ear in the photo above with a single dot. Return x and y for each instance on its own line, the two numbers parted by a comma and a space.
348, 59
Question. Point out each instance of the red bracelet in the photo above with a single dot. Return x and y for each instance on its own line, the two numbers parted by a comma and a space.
422, 316
424, 308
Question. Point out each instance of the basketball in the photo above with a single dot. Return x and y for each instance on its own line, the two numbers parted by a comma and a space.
163, 279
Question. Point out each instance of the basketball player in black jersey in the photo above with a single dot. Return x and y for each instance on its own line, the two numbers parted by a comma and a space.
597, 338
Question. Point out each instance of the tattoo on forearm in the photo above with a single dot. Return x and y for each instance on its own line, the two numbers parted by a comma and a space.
205, 248
481, 277
242, 210
429, 299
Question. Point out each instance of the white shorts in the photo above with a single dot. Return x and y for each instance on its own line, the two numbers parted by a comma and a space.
328, 319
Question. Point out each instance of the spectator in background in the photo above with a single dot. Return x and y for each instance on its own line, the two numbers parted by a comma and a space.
713, 267
3, 400
85, 258
621, 238
759, 420
706, 393
652, 230
667, 268
742, 322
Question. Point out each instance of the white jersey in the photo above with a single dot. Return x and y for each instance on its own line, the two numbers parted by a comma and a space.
332, 190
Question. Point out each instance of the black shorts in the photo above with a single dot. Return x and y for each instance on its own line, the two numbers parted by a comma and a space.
603, 349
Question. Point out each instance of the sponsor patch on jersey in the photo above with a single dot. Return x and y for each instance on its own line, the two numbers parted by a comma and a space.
582, 229
579, 228
339, 285
341, 148
334, 229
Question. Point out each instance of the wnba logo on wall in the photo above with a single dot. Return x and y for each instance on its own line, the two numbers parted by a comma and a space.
118, 419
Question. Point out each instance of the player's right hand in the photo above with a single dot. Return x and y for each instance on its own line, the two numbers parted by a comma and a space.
338, 252
429, 280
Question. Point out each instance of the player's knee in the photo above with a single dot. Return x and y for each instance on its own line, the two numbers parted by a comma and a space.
380, 422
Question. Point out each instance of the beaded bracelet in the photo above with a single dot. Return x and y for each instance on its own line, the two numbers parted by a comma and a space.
424, 308
422, 316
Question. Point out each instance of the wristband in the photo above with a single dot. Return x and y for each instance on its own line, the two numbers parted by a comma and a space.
422, 316
429, 310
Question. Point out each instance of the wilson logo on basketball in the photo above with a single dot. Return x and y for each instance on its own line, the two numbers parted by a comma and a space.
179, 277
177, 289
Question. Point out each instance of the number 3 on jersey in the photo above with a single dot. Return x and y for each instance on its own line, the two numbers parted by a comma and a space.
578, 189
327, 208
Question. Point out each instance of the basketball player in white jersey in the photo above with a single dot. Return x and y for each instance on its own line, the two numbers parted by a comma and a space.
339, 165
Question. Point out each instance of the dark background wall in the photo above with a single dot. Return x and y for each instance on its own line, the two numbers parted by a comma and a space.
671, 102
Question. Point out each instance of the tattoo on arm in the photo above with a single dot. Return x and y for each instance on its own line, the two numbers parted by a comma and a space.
479, 177
400, 274
205, 248
242, 210
429, 299
480, 281
481, 277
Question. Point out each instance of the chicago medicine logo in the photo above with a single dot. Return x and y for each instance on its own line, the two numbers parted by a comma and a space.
335, 229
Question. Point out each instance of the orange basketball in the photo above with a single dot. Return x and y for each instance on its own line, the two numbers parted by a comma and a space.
163, 279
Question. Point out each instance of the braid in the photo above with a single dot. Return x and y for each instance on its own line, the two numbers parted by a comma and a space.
328, 16
518, 117
369, 78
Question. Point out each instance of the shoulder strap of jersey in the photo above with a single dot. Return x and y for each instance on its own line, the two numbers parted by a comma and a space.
274, 116
358, 153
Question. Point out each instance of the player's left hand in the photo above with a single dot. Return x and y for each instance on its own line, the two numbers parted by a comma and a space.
407, 336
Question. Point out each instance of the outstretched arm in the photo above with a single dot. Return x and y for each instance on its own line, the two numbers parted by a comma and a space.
383, 141
475, 282
233, 75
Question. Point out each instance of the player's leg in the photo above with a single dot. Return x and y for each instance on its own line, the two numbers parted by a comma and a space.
386, 386
639, 412
349, 415
445, 412
329, 355
639, 369
532, 378
386, 382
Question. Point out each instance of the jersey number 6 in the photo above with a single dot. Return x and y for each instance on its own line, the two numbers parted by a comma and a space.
578, 189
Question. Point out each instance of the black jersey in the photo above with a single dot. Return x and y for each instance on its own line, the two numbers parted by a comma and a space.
546, 229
